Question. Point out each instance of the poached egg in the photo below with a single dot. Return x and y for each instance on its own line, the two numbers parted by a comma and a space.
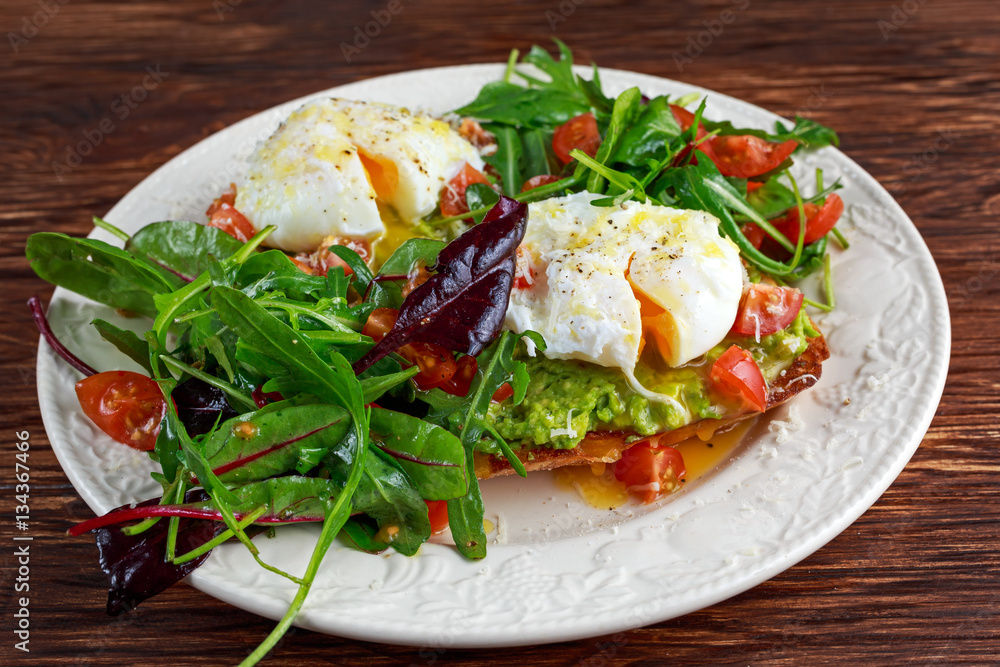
601, 283
327, 168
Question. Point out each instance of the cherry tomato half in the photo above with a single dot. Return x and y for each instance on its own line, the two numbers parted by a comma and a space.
736, 374
232, 222
766, 309
819, 220
453, 195
437, 512
579, 132
648, 470
745, 156
125, 405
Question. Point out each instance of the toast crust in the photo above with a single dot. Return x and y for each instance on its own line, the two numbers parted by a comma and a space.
608, 446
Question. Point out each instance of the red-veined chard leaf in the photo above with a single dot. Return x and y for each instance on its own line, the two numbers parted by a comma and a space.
433, 458
274, 440
134, 564
462, 306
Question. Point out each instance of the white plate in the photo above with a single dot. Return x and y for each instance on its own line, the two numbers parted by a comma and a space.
557, 569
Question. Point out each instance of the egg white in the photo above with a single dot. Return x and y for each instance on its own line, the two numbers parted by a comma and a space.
586, 265
326, 169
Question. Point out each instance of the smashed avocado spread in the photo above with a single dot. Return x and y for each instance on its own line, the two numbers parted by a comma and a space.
567, 399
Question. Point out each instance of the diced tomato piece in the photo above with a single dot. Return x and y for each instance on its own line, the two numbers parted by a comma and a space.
503, 393
379, 323
232, 222
579, 132
754, 234
766, 309
819, 219
649, 470
437, 364
754, 185
127, 406
437, 512
453, 195
227, 197
539, 181
745, 156
737, 375
461, 381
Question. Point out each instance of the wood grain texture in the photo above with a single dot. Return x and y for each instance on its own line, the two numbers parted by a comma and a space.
915, 580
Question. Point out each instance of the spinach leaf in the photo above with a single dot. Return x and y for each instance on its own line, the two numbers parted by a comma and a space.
98, 271
291, 364
511, 104
648, 137
432, 457
181, 247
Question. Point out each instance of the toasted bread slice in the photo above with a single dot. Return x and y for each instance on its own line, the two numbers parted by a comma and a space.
607, 446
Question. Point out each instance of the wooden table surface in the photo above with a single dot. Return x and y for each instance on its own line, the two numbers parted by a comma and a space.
913, 86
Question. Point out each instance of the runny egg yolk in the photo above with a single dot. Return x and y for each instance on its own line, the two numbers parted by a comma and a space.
657, 324
383, 174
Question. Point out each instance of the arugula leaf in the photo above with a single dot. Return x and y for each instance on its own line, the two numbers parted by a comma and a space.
622, 115
181, 247
98, 271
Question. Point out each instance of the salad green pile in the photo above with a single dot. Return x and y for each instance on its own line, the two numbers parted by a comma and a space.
293, 433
